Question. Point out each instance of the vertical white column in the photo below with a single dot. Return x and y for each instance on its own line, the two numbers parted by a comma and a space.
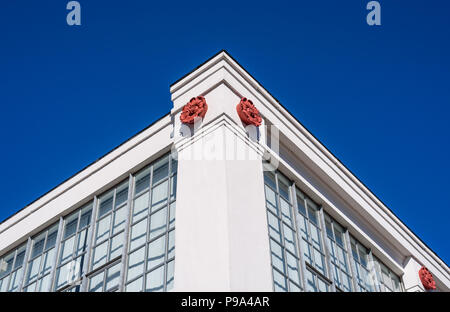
221, 225
411, 279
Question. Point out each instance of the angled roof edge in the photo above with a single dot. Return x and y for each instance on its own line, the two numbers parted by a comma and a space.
192, 75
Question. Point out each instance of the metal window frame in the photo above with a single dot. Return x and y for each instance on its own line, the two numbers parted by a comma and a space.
282, 244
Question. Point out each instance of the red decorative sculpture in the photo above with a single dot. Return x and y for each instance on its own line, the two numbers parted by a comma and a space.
248, 113
427, 279
195, 108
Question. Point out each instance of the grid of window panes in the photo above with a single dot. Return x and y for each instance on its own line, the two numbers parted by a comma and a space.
41, 259
336, 243
71, 259
151, 247
11, 268
364, 274
389, 281
57, 258
109, 238
282, 234
308, 220
320, 242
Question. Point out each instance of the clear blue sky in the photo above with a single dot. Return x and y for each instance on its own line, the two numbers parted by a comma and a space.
377, 97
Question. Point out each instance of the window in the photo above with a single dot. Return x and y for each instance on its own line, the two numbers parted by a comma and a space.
336, 244
11, 269
151, 248
40, 263
308, 220
110, 226
364, 276
73, 247
314, 282
282, 234
389, 281
106, 280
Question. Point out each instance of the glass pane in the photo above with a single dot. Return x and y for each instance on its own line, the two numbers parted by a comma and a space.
277, 256
160, 170
38, 245
82, 242
136, 263
156, 252
119, 220
310, 283
170, 270
323, 286
6, 264
158, 223
71, 225
293, 271
159, 195
96, 283
20, 257
30, 288
102, 229
286, 211
274, 226
320, 261
172, 215
122, 194
105, 204
85, 219
138, 233
155, 280
51, 238
173, 188
142, 181
67, 249
135, 286
33, 270
171, 251
279, 281
283, 186
116, 246
271, 200
112, 277
269, 179
100, 253
44, 283
48, 261
289, 239
140, 206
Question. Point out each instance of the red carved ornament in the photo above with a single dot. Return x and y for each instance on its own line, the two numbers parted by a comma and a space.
427, 279
195, 108
248, 113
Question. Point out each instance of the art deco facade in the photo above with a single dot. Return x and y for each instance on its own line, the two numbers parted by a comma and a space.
227, 192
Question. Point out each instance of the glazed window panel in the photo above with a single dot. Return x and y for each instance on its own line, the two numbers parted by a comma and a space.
11, 268
310, 230
314, 282
389, 281
282, 234
364, 275
106, 279
73, 247
151, 249
40, 263
110, 225
338, 254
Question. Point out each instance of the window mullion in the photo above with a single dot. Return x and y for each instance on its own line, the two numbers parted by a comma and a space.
325, 247
24, 265
350, 258
57, 246
90, 242
373, 272
123, 266
298, 237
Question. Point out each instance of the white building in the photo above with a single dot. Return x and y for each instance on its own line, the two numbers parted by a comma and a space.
257, 209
